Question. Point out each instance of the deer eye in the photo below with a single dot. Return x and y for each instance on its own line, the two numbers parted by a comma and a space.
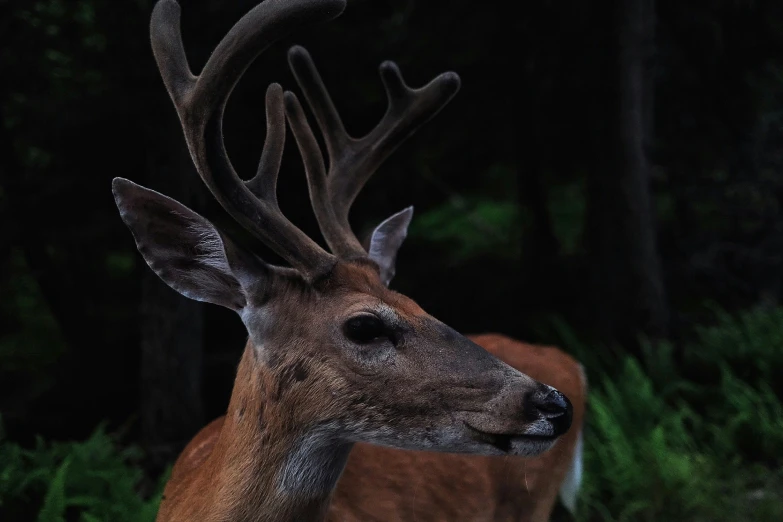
364, 329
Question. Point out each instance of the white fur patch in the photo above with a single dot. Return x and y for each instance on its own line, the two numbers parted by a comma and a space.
210, 248
569, 489
315, 465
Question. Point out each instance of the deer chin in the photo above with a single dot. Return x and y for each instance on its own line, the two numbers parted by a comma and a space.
536, 438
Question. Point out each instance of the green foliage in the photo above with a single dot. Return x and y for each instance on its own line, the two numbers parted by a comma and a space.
54, 504
34, 345
699, 439
471, 228
753, 419
119, 264
751, 342
567, 206
94, 480
642, 461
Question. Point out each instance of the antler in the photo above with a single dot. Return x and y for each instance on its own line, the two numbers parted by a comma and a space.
201, 100
352, 161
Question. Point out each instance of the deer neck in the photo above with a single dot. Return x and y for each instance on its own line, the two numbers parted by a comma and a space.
269, 468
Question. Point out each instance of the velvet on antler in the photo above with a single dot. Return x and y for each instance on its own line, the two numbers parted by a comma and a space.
353, 160
201, 100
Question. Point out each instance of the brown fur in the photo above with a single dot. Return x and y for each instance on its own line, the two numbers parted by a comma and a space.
229, 470
387, 484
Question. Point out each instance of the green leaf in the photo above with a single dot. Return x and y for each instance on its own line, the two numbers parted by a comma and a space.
53, 509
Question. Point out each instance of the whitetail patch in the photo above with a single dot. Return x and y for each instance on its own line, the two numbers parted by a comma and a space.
569, 490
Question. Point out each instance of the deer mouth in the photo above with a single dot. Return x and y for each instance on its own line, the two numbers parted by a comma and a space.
509, 442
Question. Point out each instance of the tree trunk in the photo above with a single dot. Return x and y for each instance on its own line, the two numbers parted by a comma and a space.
172, 326
171, 365
540, 250
628, 285
530, 147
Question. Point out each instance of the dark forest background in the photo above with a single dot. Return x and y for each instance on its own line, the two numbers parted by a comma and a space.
609, 179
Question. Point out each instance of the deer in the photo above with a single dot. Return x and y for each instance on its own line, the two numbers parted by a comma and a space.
334, 359
383, 483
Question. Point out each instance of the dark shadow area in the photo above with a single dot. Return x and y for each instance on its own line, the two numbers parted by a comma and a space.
608, 179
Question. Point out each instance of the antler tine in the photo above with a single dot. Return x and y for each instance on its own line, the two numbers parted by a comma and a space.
201, 100
169, 51
264, 183
341, 241
352, 161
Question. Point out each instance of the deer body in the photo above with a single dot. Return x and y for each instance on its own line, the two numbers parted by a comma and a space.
334, 358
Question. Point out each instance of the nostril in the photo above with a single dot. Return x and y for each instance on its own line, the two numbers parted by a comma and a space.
553, 404
556, 408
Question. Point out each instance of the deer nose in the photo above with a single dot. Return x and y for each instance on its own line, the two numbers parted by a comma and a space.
554, 407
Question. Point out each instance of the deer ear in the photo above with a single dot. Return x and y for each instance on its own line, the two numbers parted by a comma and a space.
386, 240
184, 249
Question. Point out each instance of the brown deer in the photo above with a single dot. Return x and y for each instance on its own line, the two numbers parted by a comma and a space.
387, 484
334, 358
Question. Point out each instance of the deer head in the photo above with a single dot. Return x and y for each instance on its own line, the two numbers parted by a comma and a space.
335, 350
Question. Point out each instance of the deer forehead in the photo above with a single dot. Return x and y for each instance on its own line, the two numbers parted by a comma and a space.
360, 287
